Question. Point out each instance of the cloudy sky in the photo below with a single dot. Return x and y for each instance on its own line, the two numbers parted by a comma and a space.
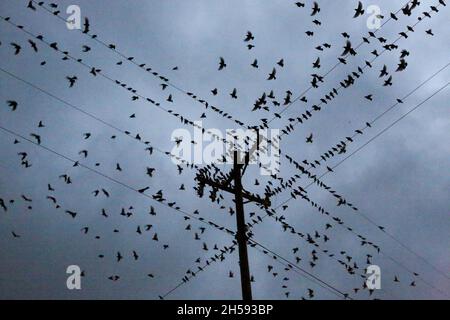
399, 181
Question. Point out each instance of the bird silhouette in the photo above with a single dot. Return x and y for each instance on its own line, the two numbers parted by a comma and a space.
3, 205
222, 63
16, 47
150, 171
388, 82
13, 104
315, 9
249, 37
143, 190
86, 25
316, 64
31, 6
33, 45
73, 214
72, 80
359, 11
272, 75
348, 49
233, 94
383, 72
402, 65
36, 137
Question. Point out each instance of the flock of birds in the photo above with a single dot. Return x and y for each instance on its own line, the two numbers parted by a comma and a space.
262, 104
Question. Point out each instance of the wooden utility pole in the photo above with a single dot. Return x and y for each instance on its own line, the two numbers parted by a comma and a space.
239, 195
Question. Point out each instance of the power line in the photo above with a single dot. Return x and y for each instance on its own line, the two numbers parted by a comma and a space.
378, 117
186, 279
384, 130
373, 121
183, 119
74, 107
177, 209
319, 281
290, 265
336, 65
120, 84
363, 146
51, 95
155, 74
362, 68
96, 118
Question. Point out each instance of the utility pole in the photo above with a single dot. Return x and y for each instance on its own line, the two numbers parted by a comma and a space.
240, 194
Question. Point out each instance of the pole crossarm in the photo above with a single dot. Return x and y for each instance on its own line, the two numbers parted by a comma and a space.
226, 187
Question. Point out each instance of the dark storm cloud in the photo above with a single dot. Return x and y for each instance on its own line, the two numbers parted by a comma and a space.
400, 180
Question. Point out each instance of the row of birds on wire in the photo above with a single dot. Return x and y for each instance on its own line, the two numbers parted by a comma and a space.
94, 71
13, 105
129, 212
309, 140
249, 37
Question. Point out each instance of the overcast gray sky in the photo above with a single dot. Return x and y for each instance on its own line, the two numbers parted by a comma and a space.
400, 180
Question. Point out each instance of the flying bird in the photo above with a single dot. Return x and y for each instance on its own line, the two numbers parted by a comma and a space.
150, 171
348, 49
388, 82
33, 45
272, 75
316, 64
315, 9
233, 94
86, 25
222, 63
383, 72
359, 11
13, 104
249, 37
36, 137
3, 205
72, 80
16, 47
